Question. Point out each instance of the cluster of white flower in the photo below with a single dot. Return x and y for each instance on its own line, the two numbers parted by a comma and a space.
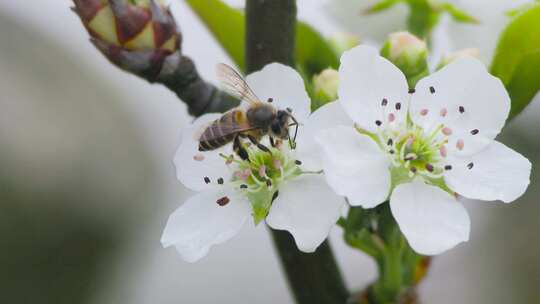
420, 149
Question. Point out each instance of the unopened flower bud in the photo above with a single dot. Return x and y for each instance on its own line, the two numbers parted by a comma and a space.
464, 53
342, 42
325, 85
136, 35
409, 53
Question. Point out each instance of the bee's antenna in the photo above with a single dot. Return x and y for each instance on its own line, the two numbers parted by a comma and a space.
294, 124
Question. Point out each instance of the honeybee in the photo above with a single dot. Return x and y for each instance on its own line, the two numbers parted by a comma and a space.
251, 122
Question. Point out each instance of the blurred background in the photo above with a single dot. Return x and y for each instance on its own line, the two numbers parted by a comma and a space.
87, 181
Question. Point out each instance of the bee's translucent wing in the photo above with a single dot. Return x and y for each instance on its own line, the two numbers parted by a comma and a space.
234, 84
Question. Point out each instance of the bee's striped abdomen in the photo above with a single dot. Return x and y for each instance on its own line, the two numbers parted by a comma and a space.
219, 133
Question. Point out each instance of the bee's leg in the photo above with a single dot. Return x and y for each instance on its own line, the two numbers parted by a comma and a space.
258, 144
272, 141
239, 148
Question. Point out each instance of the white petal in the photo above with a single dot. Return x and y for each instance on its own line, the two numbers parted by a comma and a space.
355, 166
497, 173
432, 220
308, 209
193, 166
201, 223
464, 83
366, 79
328, 116
285, 86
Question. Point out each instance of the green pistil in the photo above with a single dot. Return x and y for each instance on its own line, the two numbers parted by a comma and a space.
416, 154
261, 177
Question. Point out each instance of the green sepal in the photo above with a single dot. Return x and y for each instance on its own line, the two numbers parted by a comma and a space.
381, 6
261, 201
422, 18
424, 15
517, 58
457, 14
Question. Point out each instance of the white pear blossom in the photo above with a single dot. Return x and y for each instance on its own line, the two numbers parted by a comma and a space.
421, 147
285, 186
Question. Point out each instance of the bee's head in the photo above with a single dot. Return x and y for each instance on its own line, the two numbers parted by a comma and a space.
280, 125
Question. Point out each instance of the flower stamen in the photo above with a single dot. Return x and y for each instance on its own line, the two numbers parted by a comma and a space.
223, 201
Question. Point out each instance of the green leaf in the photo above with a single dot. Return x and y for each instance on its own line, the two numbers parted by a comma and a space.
521, 9
227, 24
525, 83
313, 53
516, 60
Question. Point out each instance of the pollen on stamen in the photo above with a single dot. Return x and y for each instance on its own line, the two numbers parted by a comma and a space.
474, 132
298, 162
409, 142
243, 186
430, 167
398, 106
276, 163
223, 201
198, 157
378, 123
390, 142
262, 170
448, 167
443, 112
447, 131
410, 156
242, 175
268, 183
461, 109
411, 91
384, 102
424, 112
391, 117
207, 180
220, 181
470, 166
432, 90
460, 144
413, 169
442, 151
238, 174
